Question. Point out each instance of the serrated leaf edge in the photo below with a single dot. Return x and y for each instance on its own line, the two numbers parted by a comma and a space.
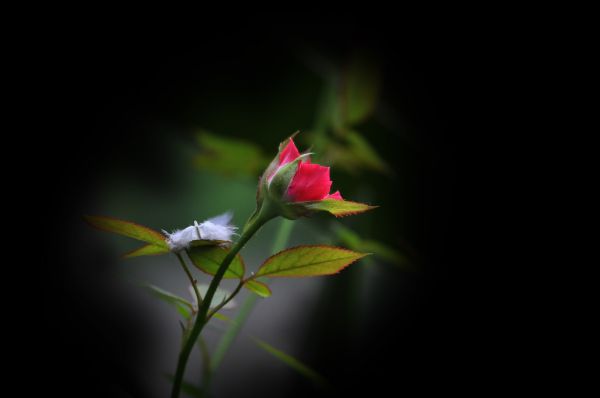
361, 255
87, 218
342, 214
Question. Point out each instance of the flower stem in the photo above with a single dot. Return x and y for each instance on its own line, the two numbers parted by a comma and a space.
201, 318
190, 277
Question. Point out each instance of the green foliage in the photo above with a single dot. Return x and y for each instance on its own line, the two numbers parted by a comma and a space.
222, 317
357, 153
353, 241
229, 156
184, 307
208, 260
339, 208
360, 89
258, 288
292, 363
129, 229
349, 98
147, 250
303, 261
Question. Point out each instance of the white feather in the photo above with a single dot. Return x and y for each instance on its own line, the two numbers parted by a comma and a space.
221, 219
216, 228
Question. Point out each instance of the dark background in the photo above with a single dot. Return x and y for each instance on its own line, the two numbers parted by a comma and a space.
97, 93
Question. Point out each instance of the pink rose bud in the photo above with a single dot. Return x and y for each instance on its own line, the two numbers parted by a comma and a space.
293, 187
291, 181
310, 182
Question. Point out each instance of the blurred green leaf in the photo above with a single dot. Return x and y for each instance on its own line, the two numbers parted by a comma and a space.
347, 236
127, 228
258, 287
328, 112
302, 261
360, 151
339, 208
292, 363
360, 89
229, 156
354, 154
384, 252
184, 307
352, 240
147, 250
222, 317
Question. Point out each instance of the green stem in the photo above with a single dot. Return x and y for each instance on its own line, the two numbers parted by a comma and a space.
227, 300
190, 277
253, 225
281, 239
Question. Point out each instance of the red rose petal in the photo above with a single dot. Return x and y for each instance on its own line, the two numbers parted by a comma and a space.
311, 182
289, 153
336, 195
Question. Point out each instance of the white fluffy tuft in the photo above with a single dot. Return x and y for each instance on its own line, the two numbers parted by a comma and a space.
216, 228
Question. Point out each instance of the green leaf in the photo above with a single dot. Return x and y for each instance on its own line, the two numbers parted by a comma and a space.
127, 228
385, 253
184, 307
363, 153
208, 260
207, 242
229, 156
292, 363
339, 208
222, 317
360, 90
147, 250
347, 236
303, 261
352, 240
258, 287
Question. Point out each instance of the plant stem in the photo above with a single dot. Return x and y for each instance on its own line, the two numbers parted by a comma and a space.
201, 318
190, 277
281, 238
227, 300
